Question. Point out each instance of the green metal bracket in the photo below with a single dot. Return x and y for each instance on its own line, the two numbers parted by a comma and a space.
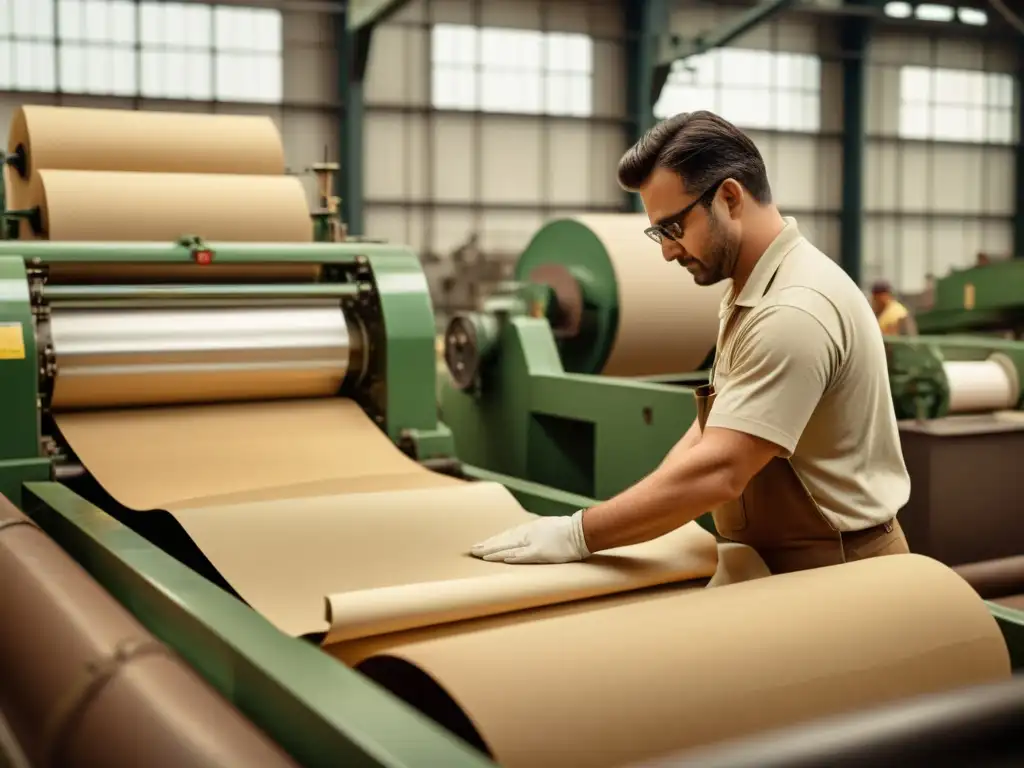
19, 431
407, 384
677, 48
366, 13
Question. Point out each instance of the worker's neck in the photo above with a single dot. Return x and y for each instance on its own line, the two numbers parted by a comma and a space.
760, 230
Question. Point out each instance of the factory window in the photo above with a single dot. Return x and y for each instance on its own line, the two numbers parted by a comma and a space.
509, 70
27, 49
956, 105
753, 89
169, 50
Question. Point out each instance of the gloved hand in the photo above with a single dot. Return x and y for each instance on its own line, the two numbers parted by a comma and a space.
545, 540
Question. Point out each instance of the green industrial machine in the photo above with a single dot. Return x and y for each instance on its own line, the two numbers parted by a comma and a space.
927, 374
524, 396
109, 325
986, 299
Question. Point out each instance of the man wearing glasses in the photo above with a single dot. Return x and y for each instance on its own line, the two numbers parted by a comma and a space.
795, 447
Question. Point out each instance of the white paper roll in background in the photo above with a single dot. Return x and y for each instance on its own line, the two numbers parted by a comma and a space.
982, 385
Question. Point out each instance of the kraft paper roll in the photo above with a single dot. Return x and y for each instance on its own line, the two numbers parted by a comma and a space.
76, 138
124, 207
667, 323
227, 475
613, 681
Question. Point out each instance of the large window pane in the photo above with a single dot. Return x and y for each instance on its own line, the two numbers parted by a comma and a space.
944, 104
753, 89
511, 70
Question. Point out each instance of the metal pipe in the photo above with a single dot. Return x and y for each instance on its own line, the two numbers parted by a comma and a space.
83, 293
84, 684
118, 357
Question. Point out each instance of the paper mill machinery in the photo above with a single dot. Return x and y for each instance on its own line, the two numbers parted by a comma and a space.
983, 299
98, 327
122, 326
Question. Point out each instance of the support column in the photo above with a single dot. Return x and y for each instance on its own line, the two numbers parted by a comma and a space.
353, 31
1018, 219
645, 23
353, 50
855, 36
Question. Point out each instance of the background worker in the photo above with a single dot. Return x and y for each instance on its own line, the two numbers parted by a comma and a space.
795, 447
893, 318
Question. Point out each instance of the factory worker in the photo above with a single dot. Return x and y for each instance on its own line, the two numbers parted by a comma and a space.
795, 448
893, 318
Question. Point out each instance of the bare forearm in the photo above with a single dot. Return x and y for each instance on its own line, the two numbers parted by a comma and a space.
686, 442
674, 494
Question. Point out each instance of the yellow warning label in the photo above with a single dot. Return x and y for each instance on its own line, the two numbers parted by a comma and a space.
12, 342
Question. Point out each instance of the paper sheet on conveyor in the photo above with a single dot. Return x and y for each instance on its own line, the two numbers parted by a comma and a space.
313, 516
311, 530
339, 512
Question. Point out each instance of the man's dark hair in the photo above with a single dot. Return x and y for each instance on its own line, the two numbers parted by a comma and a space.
703, 149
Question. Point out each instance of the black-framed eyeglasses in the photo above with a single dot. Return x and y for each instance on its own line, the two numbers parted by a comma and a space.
672, 227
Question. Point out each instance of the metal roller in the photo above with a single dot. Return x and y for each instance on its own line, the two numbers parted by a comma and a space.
147, 356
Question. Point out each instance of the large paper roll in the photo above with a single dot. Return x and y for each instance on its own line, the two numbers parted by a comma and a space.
667, 323
75, 138
342, 513
626, 311
609, 682
127, 206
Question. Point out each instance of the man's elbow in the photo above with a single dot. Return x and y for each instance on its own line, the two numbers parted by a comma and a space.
733, 478
721, 478
736, 469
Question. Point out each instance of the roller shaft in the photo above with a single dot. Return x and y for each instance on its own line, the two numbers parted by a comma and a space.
125, 357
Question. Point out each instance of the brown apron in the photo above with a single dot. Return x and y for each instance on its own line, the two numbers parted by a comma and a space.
779, 519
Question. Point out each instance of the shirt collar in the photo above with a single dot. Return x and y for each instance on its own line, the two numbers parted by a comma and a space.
766, 267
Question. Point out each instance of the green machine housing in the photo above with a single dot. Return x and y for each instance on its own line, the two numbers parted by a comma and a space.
523, 394
985, 299
98, 325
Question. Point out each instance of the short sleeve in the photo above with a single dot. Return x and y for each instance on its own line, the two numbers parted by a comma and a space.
779, 369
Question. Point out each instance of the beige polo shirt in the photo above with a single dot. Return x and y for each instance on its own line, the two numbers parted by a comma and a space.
802, 364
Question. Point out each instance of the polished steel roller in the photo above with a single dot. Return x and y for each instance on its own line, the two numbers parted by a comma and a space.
128, 357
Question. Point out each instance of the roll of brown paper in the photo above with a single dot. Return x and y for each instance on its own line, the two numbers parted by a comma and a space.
612, 681
127, 206
76, 138
667, 323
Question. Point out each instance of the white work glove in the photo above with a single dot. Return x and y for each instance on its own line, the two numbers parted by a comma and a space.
556, 539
